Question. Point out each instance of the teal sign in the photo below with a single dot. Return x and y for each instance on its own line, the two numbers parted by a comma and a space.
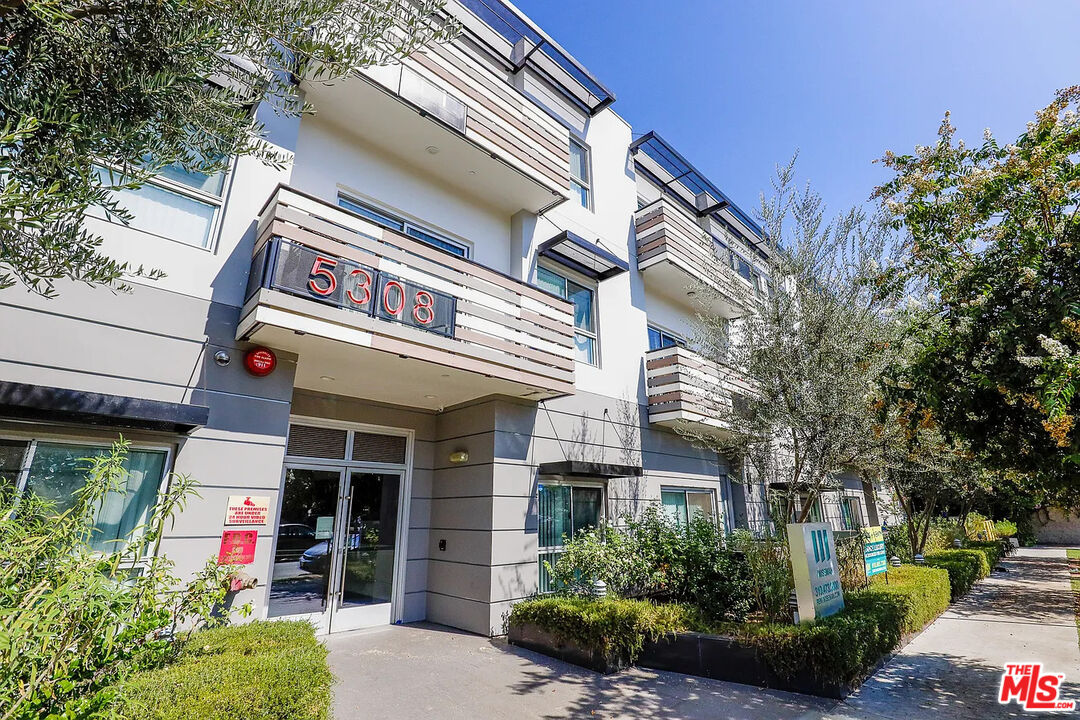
874, 551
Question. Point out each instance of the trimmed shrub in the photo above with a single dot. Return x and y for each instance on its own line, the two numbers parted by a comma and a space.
994, 550
1005, 528
654, 556
613, 626
271, 670
843, 648
965, 568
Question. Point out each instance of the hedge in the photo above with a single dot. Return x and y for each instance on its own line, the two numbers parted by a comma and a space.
271, 670
843, 648
994, 550
965, 567
611, 625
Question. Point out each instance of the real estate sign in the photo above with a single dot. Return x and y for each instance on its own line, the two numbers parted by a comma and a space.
874, 551
817, 575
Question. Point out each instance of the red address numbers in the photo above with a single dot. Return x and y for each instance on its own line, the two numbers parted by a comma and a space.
393, 295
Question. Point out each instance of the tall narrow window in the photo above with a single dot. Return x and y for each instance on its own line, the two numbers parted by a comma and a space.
851, 510
584, 310
580, 177
177, 204
564, 511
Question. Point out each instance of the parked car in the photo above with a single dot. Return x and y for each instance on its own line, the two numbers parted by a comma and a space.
293, 540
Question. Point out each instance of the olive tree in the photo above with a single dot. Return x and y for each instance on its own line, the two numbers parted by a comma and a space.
137, 85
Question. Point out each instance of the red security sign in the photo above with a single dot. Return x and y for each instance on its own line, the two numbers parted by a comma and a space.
346, 284
237, 547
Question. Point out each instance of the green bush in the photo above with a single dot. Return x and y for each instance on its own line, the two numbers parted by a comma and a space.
769, 564
1005, 528
75, 622
994, 550
656, 557
844, 647
260, 671
614, 626
965, 568
940, 536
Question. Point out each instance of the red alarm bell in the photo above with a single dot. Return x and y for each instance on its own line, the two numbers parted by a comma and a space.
260, 361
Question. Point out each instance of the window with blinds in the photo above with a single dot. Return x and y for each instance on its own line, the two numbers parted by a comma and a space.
310, 441
371, 447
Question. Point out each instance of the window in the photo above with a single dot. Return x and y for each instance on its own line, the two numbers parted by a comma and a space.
564, 511
177, 204
580, 184
428, 237
662, 339
816, 515
584, 321
683, 505
56, 470
851, 513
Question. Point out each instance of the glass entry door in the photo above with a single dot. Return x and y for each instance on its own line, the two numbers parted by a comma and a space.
368, 545
335, 562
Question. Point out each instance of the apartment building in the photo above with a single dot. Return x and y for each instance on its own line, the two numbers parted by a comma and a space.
453, 330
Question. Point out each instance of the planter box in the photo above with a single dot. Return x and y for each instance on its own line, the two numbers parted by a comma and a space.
712, 656
726, 658
534, 638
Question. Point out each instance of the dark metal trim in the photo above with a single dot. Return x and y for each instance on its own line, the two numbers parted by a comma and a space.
550, 249
582, 468
35, 402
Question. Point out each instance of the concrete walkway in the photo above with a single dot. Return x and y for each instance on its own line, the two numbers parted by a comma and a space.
427, 671
953, 669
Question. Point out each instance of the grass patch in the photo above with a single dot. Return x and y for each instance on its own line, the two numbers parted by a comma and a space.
259, 671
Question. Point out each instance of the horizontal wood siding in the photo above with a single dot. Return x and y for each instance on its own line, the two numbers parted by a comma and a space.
504, 328
499, 117
682, 385
667, 233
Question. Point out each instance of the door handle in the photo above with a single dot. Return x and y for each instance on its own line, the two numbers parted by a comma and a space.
345, 545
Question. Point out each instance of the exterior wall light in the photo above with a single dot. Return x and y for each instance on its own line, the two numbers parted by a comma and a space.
222, 358
459, 456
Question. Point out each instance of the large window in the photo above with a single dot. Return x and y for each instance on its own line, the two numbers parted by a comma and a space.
851, 513
663, 339
564, 511
57, 470
684, 505
580, 177
584, 310
177, 204
381, 217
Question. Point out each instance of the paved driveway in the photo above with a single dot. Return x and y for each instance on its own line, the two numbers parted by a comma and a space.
427, 671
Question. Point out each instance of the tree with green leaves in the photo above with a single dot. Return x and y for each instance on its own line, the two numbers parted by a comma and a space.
810, 350
993, 233
134, 86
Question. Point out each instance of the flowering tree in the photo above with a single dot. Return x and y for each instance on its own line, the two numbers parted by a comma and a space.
810, 349
994, 234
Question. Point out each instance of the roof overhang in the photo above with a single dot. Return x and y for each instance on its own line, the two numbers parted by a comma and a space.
34, 402
577, 253
583, 468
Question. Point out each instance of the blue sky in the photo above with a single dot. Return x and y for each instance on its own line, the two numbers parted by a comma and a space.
737, 87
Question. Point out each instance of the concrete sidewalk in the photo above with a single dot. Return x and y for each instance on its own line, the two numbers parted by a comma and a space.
953, 669
427, 671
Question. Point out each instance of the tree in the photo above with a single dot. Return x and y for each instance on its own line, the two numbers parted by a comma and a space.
993, 232
138, 85
810, 350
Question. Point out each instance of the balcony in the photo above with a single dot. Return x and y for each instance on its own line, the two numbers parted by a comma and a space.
375, 314
675, 254
451, 116
682, 386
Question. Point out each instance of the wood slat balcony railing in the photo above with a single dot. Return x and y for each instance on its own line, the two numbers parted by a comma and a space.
668, 236
322, 270
683, 386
